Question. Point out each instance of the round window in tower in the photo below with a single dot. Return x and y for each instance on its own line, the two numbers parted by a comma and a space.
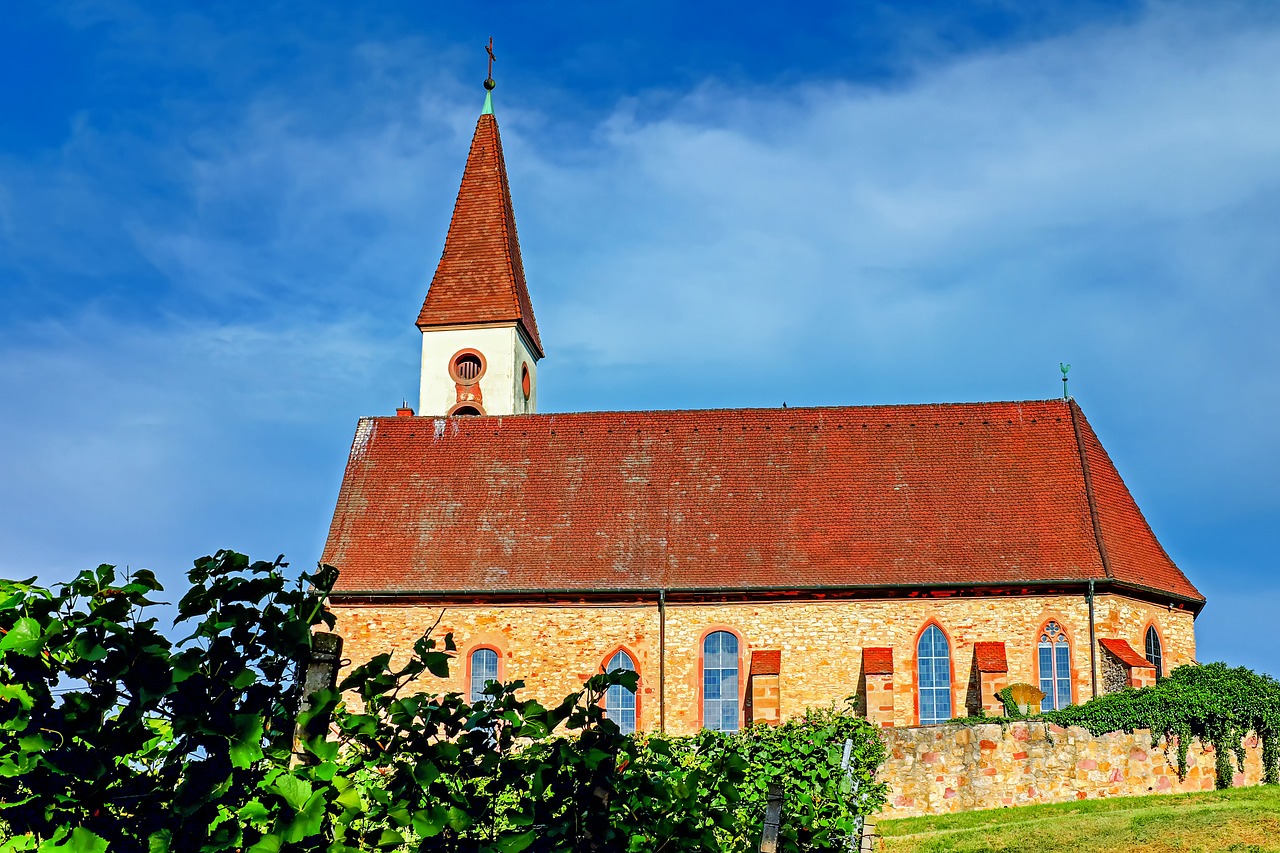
466, 367
526, 382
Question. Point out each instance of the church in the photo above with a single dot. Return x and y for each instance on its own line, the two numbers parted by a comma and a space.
745, 563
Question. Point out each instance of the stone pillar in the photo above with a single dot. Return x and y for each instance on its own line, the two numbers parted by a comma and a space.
993, 675
764, 688
877, 670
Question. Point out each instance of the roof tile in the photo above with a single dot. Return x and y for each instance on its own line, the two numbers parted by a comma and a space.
989, 656
877, 661
916, 496
766, 662
1126, 653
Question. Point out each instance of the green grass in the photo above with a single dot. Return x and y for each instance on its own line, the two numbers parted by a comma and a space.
1245, 820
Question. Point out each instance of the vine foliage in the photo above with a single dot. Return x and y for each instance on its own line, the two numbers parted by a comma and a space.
1213, 702
114, 737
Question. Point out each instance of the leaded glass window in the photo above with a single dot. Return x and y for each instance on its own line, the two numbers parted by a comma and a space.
484, 668
1154, 652
720, 681
619, 702
1055, 668
933, 660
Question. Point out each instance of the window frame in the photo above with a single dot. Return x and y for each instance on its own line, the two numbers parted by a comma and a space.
635, 667
741, 686
1153, 631
950, 689
471, 653
1071, 663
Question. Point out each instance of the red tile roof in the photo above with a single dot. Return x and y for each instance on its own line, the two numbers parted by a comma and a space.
877, 661
1126, 653
766, 662
989, 656
743, 499
480, 278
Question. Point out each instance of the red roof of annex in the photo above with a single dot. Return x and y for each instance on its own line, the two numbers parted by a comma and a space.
937, 495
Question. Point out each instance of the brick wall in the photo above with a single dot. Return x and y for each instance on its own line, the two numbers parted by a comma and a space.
555, 648
951, 768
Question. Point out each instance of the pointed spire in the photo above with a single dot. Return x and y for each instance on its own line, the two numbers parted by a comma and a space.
480, 278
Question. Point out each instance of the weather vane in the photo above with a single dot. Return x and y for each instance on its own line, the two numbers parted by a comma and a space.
488, 81
1064, 368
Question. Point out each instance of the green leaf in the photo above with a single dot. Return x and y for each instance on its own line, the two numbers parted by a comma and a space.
516, 843
390, 838
244, 678
20, 842
253, 810
81, 840
9, 692
295, 791
310, 819
89, 649
429, 823
267, 844
246, 745
23, 638
158, 842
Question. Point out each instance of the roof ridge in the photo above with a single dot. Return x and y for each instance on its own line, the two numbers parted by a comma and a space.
871, 407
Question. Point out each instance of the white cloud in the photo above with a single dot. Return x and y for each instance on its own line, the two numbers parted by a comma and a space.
1106, 198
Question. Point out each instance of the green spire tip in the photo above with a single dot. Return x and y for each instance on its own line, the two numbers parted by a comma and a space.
488, 104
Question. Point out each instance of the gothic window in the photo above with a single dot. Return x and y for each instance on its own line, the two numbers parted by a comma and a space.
1055, 668
933, 662
619, 702
1154, 652
720, 681
484, 668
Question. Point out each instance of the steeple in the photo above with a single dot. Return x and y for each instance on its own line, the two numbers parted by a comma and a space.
480, 278
478, 291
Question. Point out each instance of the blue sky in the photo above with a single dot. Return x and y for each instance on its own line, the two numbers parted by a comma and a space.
217, 226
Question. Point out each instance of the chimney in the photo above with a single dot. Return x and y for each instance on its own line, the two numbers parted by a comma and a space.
404, 411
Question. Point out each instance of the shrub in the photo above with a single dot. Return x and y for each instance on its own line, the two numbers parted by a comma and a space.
112, 736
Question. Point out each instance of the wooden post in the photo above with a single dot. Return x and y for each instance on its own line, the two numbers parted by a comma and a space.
319, 672
772, 819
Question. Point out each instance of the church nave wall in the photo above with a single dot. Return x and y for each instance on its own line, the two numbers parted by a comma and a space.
554, 649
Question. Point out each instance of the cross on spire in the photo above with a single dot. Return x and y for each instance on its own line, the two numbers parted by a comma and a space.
488, 48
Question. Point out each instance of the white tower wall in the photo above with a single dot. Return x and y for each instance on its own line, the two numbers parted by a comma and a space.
503, 351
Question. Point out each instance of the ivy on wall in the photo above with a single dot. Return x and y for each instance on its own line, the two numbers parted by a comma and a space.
1215, 703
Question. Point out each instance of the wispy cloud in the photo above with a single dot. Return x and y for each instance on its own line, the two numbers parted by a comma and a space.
237, 278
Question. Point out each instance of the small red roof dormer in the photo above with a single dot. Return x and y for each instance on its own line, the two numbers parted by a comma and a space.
480, 278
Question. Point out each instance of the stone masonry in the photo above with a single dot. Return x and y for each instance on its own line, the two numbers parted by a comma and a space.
953, 768
555, 648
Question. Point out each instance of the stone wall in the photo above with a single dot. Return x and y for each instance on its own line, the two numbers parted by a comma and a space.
952, 768
554, 648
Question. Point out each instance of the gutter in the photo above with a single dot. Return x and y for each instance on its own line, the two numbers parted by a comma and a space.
1093, 646
639, 593
662, 660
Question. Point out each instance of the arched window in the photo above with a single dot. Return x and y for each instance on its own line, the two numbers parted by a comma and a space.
720, 681
484, 668
1055, 668
619, 702
1154, 652
933, 662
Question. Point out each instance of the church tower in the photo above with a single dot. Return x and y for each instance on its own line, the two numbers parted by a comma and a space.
480, 346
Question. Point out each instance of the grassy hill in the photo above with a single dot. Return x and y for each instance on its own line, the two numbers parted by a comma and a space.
1246, 820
